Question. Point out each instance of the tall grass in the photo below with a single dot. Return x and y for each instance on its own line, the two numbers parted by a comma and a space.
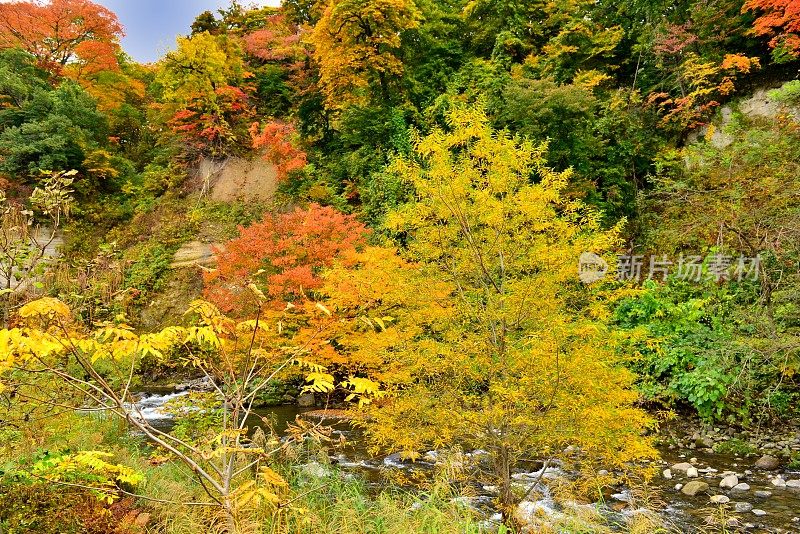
344, 504
338, 502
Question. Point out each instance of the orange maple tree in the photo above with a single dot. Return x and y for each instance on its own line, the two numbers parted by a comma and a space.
277, 40
779, 19
58, 33
277, 139
283, 255
703, 85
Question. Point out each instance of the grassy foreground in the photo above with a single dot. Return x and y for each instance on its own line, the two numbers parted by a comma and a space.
335, 502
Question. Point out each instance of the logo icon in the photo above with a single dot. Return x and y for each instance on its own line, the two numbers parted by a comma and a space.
591, 267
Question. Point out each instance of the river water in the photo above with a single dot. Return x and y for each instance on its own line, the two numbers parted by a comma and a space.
781, 508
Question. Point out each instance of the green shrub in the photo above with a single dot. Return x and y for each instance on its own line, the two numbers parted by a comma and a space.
788, 93
147, 273
736, 447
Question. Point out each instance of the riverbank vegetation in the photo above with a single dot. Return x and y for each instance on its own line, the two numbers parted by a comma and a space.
507, 241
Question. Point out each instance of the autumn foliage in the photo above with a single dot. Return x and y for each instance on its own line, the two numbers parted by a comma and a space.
779, 19
278, 40
206, 126
277, 140
281, 45
522, 361
283, 255
80, 33
357, 46
704, 85
205, 93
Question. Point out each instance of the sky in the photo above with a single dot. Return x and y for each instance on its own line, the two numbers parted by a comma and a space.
152, 25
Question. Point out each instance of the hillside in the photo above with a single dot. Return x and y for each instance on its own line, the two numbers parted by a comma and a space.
536, 263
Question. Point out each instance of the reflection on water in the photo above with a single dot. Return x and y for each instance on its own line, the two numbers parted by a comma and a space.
152, 402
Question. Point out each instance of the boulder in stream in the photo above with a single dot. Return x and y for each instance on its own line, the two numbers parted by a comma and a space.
306, 400
694, 487
683, 466
778, 482
768, 463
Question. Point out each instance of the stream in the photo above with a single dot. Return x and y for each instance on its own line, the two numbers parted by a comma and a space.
756, 505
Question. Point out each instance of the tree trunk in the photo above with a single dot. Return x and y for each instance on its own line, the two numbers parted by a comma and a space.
231, 525
503, 473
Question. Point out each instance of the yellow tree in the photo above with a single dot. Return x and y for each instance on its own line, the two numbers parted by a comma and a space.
521, 364
357, 45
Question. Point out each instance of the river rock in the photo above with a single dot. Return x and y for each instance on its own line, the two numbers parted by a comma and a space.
624, 496
720, 499
778, 482
767, 463
728, 482
741, 486
692, 472
704, 441
197, 384
795, 483
694, 487
742, 507
683, 466
763, 494
667, 473
431, 457
759, 512
306, 400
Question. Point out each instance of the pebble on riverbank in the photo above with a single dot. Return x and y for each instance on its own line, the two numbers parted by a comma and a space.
742, 507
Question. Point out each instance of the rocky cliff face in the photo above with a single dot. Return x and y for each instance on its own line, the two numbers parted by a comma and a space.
761, 104
238, 179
